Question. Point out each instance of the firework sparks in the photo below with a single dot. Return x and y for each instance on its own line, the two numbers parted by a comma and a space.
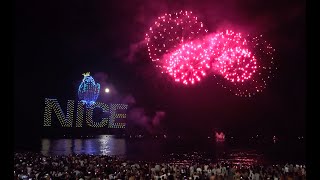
262, 67
242, 64
170, 31
188, 63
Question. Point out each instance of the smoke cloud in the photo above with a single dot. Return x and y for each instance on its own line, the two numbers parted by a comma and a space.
136, 116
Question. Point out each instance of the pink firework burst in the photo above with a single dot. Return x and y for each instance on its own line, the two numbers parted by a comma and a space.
170, 31
264, 68
188, 63
230, 56
236, 64
221, 42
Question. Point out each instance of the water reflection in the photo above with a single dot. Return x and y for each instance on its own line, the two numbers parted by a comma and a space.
155, 149
45, 146
243, 157
102, 145
78, 143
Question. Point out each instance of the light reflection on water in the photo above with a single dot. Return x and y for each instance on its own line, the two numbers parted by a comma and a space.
102, 145
152, 149
109, 145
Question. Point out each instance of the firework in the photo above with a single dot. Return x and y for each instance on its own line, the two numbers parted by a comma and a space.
170, 31
236, 65
220, 42
262, 70
230, 56
242, 64
188, 63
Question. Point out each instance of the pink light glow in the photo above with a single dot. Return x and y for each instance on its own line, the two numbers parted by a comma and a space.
241, 64
170, 31
187, 64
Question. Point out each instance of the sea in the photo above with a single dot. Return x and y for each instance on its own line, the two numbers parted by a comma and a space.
162, 148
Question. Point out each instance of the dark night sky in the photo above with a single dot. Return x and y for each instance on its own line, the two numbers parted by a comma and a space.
56, 41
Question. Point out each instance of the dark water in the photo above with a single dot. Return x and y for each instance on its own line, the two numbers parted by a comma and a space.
159, 149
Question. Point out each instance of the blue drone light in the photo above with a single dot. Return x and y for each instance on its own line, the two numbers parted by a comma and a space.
88, 91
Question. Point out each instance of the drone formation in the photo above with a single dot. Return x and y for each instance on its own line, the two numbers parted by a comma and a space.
181, 47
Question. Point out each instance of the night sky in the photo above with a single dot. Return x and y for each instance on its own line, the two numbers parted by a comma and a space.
56, 41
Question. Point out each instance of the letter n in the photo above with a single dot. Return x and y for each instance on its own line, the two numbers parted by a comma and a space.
53, 104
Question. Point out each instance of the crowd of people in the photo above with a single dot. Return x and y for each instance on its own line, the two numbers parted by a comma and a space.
99, 167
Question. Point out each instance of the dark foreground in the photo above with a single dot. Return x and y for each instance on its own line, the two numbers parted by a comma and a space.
188, 166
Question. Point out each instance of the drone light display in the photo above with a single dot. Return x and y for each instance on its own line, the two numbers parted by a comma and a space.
89, 114
179, 45
88, 91
53, 106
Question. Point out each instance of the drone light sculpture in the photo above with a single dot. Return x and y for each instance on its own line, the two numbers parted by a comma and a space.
88, 91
